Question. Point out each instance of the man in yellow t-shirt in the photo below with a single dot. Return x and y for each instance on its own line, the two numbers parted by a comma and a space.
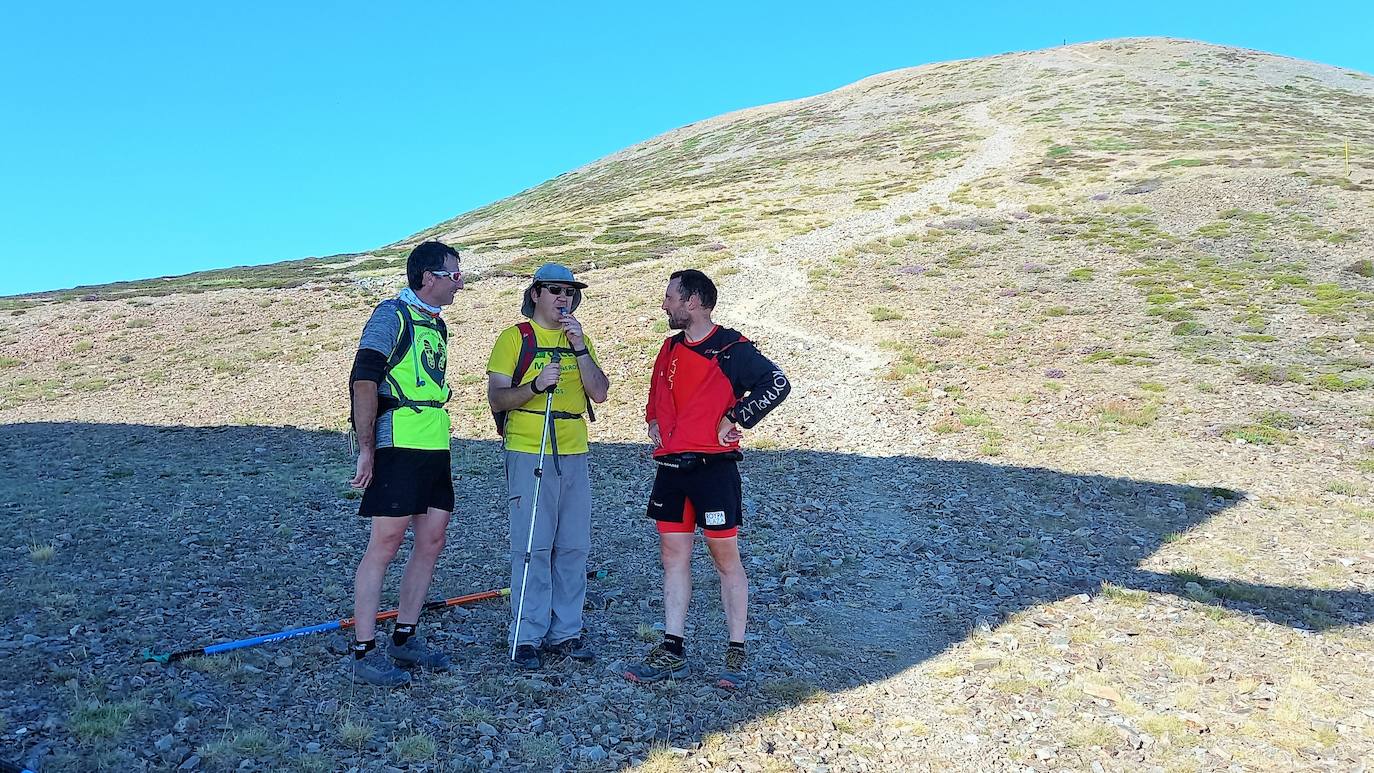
564, 361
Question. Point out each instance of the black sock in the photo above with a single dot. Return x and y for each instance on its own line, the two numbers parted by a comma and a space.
361, 648
736, 645
402, 633
673, 644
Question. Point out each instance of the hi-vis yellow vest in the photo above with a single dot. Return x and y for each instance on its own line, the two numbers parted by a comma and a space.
415, 374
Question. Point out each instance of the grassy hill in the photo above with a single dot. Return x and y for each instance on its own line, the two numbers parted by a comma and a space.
1077, 469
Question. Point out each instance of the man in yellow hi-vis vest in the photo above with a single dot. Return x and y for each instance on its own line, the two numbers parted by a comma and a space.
398, 393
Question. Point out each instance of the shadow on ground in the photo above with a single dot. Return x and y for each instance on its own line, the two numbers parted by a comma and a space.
171, 537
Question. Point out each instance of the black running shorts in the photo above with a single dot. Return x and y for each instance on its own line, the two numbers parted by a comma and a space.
408, 481
715, 491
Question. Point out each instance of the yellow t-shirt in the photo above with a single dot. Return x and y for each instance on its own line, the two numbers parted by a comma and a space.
523, 428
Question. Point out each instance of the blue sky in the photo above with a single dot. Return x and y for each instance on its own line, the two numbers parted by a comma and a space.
146, 139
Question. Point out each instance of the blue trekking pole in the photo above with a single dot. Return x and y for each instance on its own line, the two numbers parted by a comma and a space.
164, 658
534, 511
333, 625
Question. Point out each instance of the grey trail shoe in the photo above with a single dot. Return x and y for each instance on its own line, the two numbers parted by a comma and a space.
733, 676
415, 653
658, 665
375, 668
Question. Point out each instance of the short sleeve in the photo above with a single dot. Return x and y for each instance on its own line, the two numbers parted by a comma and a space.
591, 348
505, 352
382, 330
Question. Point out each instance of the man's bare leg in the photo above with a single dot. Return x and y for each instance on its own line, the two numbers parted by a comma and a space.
676, 551
430, 535
734, 583
386, 537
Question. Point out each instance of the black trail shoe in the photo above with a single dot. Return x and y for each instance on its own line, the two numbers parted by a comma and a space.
527, 657
573, 648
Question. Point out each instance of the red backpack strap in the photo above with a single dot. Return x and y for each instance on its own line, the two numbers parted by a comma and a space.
528, 345
523, 360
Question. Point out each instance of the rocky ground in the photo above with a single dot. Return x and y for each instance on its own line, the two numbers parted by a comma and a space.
1074, 476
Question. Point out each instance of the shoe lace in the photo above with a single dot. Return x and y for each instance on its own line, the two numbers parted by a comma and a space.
734, 659
660, 657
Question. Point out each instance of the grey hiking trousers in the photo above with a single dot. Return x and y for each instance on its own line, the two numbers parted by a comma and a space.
557, 584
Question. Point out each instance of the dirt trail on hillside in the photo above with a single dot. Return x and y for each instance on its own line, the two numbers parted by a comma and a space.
844, 404
772, 285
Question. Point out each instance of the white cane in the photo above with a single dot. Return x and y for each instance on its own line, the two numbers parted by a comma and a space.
534, 511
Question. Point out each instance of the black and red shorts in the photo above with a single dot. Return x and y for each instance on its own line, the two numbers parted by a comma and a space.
408, 481
692, 490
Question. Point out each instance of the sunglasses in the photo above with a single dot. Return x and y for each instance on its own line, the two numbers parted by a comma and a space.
454, 275
559, 290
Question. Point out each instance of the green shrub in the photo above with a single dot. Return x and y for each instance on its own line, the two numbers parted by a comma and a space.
1332, 382
1217, 230
1258, 434
1278, 420
416, 748
97, 720
1169, 313
1271, 374
1181, 162
1363, 268
1130, 414
620, 237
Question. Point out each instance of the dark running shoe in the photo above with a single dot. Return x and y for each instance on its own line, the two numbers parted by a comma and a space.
415, 653
375, 668
732, 676
658, 665
527, 657
573, 648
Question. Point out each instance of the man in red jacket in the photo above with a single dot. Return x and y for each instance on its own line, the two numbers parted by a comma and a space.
709, 383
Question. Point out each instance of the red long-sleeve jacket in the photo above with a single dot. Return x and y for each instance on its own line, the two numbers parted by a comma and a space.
695, 385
